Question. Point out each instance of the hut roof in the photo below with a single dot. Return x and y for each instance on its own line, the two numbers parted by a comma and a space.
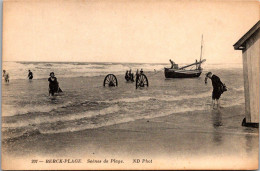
240, 44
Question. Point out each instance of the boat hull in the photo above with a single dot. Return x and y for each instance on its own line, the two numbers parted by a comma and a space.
176, 73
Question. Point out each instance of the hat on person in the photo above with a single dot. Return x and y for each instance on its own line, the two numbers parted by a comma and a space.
52, 73
209, 73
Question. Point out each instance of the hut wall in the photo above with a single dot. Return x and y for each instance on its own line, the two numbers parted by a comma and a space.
251, 64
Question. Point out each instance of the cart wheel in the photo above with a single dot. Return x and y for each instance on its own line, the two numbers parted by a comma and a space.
110, 81
142, 81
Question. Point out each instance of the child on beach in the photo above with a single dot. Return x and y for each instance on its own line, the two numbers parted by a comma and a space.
6, 76
218, 88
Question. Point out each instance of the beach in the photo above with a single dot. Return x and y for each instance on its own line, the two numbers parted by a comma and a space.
180, 141
171, 122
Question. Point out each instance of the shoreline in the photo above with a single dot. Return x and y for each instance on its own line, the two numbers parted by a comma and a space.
188, 131
182, 122
182, 138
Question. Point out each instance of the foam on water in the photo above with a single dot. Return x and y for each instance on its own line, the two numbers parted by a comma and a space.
40, 122
64, 118
121, 120
41, 70
11, 110
19, 70
159, 97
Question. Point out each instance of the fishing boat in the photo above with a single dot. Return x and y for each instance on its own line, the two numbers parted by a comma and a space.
182, 72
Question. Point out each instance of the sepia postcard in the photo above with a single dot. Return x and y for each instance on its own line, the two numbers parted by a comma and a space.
130, 84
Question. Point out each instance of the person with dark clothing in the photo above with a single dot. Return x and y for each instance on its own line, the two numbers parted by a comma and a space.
172, 63
141, 71
137, 74
53, 84
126, 75
218, 88
131, 76
30, 75
6, 76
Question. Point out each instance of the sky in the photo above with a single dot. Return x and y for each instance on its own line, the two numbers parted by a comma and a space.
145, 31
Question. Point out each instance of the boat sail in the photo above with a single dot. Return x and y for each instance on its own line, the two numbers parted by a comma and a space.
176, 72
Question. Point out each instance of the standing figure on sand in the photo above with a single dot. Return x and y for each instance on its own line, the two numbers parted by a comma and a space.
53, 84
6, 76
30, 75
218, 88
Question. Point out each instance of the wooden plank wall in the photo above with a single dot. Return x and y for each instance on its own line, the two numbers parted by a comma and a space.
251, 64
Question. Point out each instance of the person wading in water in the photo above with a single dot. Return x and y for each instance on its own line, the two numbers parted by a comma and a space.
53, 84
218, 88
30, 75
6, 76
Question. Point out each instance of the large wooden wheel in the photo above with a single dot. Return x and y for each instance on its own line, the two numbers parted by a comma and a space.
110, 81
142, 81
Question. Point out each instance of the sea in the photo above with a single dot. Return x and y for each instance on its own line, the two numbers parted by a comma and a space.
27, 108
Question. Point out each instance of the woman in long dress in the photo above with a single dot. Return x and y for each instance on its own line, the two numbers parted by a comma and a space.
53, 84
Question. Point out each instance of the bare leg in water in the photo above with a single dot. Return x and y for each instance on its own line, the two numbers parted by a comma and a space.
218, 103
214, 103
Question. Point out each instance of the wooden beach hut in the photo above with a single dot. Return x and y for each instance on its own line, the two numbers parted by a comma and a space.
250, 46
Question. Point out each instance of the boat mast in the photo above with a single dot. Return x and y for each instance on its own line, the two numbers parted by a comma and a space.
201, 49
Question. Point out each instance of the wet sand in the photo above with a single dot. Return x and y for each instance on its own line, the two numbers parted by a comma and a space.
190, 140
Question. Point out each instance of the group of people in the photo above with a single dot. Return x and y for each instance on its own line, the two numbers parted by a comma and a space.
6, 75
218, 86
129, 76
53, 83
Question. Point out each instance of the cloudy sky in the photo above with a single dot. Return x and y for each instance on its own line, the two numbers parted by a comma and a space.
125, 31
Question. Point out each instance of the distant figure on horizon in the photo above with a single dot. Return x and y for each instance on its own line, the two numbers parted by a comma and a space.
53, 84
6, 76
218, 88
30, 75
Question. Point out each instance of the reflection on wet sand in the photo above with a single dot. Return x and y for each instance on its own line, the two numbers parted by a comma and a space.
249, 140
217, 122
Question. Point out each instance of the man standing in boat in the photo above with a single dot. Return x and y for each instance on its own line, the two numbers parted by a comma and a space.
173, 65
218, 88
